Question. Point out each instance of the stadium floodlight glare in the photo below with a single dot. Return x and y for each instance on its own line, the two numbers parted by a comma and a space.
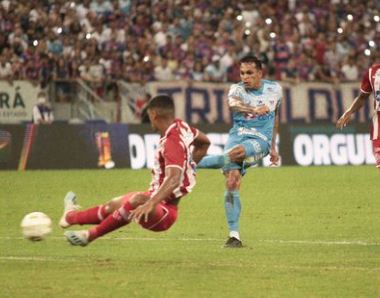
248, 24
372, 44
59, 30
146, 58
376, 19
339, 30
350, 17
268, 21
35, 43
367, 52
88, 35
239, 17
272, 35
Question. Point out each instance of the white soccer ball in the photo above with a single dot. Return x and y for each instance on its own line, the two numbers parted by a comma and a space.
36, 226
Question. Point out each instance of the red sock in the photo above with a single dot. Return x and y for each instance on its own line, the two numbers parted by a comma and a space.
92, 215
118, 219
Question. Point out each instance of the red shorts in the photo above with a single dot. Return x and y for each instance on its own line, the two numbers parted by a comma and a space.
376, 151
162, 219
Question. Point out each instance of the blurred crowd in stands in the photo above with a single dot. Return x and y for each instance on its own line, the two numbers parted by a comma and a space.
201, 40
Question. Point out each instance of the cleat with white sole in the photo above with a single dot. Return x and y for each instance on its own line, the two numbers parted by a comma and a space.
233, 242
77, 238
70, 204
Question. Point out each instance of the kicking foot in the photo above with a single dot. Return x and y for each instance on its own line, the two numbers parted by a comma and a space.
233, 242
77, 238
70, 204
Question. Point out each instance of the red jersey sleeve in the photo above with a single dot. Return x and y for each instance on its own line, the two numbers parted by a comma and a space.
366, 84
174, 153
194, 131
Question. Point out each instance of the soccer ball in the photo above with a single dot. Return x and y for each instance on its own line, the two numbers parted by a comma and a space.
36, 226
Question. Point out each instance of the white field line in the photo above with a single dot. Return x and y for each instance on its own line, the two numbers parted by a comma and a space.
36, 259
275, 241
281, 267
320, 242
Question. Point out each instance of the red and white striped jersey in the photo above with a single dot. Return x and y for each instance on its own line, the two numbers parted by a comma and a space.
174, 151
371, 83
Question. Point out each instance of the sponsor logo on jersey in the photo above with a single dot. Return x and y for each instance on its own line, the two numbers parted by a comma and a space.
251, 132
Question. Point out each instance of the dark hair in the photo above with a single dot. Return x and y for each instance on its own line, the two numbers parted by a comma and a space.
252, 59
162, 103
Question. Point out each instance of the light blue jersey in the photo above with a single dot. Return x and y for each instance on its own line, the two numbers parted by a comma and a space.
253, 132
269, 94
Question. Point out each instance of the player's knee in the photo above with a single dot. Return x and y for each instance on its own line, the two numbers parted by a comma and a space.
237, 154
234, 185
112, 205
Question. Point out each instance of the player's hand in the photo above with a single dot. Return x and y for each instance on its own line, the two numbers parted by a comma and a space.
142, 212
343, 120
274, 157
261, 110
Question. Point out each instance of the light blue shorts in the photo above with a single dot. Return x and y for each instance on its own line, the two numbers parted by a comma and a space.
255, 149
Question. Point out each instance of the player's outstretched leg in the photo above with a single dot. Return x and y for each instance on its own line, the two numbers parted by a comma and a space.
72, 216
213, 161
223, 161
94, 215
117, 219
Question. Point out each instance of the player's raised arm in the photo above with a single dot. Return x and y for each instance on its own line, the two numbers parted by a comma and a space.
355, 106
171, 182
274, 156
237, 105
201, 144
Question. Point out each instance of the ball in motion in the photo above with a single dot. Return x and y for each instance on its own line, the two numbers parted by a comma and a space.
36, 226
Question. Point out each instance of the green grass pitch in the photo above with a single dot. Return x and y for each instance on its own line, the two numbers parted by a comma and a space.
308, 232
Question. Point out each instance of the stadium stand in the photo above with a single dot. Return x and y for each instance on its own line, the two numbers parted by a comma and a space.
146, 40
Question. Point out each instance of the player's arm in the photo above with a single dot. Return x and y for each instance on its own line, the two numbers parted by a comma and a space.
355, 106
171, 182
274, 156
237, 105
201, 144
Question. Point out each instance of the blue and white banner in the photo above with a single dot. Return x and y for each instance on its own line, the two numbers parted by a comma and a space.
324, 145
198, 102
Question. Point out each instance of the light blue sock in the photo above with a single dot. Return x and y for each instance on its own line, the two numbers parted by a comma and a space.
232, 206
212, 162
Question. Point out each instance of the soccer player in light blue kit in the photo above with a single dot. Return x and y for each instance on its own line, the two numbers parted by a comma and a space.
254, 103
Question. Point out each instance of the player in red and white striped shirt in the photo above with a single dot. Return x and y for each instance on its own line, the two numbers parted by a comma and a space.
370, 84
180, 148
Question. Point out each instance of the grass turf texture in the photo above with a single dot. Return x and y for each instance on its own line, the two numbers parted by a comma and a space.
308, 232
